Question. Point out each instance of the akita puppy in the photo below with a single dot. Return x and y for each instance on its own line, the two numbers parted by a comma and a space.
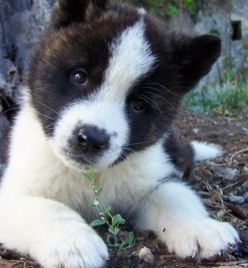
102, 90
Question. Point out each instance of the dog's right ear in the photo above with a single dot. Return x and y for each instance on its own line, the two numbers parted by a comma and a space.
66, 12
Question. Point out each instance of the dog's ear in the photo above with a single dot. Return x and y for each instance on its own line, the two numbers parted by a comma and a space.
66, 12
195, 57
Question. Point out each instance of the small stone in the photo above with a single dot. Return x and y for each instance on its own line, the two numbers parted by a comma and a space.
245, 185
146, 255
236, 199
225, 173
246, 197
196, 130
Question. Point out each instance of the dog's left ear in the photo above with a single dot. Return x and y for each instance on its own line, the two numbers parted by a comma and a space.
194, 58
66, 12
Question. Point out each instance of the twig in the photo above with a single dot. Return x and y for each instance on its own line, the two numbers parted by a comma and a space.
233, 184
239, 152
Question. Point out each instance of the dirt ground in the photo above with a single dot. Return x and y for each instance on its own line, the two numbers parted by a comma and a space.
222, 183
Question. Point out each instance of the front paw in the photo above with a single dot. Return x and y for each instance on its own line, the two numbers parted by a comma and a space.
200, 239
76, 248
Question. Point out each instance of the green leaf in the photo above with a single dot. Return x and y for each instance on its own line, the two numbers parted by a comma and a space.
113, 230
128, 242
97, 222
99, 191
109, 242
107, 210
92, 205
87, 176
130, 239
117, 220
91, 173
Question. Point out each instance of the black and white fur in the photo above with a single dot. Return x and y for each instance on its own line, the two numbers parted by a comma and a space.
102, 90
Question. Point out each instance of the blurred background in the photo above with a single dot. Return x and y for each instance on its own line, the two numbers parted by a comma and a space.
224, 91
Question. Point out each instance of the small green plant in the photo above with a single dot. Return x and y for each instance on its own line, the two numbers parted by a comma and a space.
114, 222
217, 217
230, 99
230, 96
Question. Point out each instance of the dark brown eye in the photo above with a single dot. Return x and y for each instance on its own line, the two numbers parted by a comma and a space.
138, 106
78, 77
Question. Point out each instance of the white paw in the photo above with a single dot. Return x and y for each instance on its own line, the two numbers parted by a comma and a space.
200, 239
77, 248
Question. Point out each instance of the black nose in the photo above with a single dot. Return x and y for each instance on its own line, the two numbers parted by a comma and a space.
92, 139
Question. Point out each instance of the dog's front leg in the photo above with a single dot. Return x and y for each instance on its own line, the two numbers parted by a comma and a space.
178, 217
52, 233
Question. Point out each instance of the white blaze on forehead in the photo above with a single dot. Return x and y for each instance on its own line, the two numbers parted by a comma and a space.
131, 58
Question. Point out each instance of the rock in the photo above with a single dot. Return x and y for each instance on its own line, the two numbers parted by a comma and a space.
196, 130
22, 22
246, 197
146, 255
245, 185
236, 199
225, 172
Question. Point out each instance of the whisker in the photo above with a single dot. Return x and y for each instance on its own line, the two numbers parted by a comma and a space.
10, 109
138, 143
46, 116
126, 156
49, 126
163, 87
152, 103
47, 107
164, 100
129, 149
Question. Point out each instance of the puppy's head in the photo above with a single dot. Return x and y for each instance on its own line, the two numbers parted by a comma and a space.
106, 80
